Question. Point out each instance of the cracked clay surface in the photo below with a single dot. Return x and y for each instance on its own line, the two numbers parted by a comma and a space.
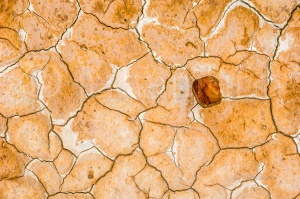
96, 99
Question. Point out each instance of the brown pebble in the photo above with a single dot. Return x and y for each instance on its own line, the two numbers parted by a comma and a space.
207, 91
91, 174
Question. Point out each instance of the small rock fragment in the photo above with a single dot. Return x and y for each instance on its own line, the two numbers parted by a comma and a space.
207, 91
91, 174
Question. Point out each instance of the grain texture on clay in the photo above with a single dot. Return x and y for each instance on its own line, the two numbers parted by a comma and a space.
135, 99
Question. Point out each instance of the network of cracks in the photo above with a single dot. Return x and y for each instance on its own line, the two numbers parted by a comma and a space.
96, 99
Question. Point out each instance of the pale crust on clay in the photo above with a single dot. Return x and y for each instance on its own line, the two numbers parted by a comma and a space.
97, 99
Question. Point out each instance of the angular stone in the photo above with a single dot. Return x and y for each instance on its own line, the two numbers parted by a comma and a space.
281, 172
47, 175
235, 35
9, 9
111, 131
178, 154
89, 167
31, 135
71, 196
172, 46
88, 67
117, 14
2, 126
250, 190
246, 77
239, 123
11, 46
24, 187
207, 91
19, 93
175, 103
126, 45
151, 182
144, 80
64, 162
118, 100
228, 170
59, 92
12, 163
120, 181
278, 11
285, 96
190, 193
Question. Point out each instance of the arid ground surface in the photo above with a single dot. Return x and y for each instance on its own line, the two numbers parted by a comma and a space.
96, 99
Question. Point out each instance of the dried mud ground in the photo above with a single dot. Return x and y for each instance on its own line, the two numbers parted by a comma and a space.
96, 99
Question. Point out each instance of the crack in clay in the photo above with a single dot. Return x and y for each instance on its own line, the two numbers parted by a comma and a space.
137, 146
